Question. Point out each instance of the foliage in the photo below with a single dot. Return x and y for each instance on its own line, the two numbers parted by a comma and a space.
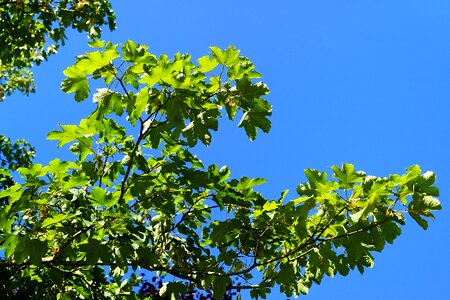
31, 30
13, 156
136, 197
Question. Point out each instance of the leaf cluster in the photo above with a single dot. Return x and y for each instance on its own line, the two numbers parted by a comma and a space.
31, 30
13, 156
137, 198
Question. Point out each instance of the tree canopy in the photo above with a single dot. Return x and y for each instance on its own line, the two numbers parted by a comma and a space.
135, 198
31, 30
135, 202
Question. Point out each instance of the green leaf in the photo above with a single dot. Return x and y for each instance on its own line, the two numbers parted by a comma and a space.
9, 244
57, 219
207, 64
431, 203
96, 43
411, 173
228, 57
139, 105
75, 181
251, 120
390, 231
247, 183
37, 250
219, 286
200, 126
95, 250
70, 133
13, 193
249, 91
58, 167
30, 248
129, 51
96, 60
347, 175
77, 85
270, 205
161, 72
423, 204
314, 176
99, 194
422, 222
102, 198
424, 184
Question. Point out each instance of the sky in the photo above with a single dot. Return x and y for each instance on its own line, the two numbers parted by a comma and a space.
362, 82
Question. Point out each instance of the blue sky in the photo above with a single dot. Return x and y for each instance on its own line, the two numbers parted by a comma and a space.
364, 82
